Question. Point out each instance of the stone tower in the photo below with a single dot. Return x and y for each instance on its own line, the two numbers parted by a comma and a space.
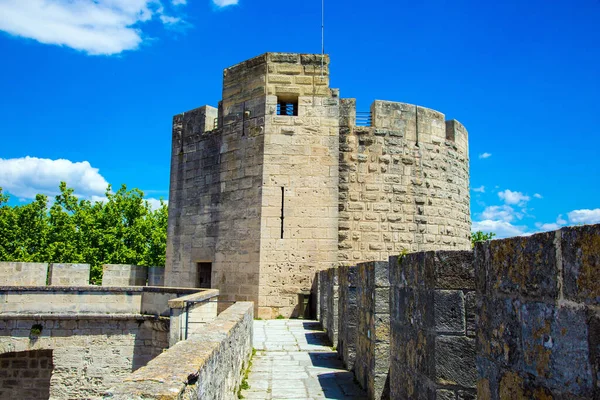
254, 185
278, 182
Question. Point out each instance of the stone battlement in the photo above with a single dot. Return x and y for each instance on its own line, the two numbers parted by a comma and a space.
61, 274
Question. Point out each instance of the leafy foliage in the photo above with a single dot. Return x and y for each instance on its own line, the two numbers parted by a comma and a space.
480, 236
121, 230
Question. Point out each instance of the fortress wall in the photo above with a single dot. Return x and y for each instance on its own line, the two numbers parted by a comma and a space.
517, 318
89, 354
373, 334
432, 305
218, 355
23, 274
69, 274
124, 275
538, 315
348, 315
301, 176
403, 186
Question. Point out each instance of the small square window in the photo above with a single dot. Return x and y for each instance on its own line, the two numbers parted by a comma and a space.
287, 105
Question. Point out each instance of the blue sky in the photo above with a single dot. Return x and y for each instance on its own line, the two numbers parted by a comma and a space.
88, 88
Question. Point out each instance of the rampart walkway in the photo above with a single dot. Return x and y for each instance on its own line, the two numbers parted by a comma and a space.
293, 360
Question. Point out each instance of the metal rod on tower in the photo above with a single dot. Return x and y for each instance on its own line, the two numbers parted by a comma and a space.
322, 36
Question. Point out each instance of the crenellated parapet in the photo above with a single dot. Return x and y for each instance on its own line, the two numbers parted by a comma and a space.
404, 182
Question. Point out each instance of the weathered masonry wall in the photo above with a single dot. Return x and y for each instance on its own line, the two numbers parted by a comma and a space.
518, 318
26, 375
300, 180
433, 326
219, 354
404, 183
348, 315
538, 324
72, 275
96, 334
90, 353
373, 335
23, 274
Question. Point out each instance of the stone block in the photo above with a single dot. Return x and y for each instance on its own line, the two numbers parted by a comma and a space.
580, 249
455, 361
68, 274
449, 311
156, 276
555, 347
454, 270
525, 266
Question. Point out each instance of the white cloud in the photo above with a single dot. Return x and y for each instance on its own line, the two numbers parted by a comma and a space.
155, 203
26, 177
538, 196
584, 216
480, 189
178, 2
167, 20
97, 27
502, 229
548, 227
511, 197
485, 155
503, 213
560, 220
225, 3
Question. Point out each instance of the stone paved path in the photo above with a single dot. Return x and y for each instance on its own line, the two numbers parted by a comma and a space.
293, 360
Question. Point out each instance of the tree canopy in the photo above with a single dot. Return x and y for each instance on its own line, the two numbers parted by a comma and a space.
123, 229
480, 236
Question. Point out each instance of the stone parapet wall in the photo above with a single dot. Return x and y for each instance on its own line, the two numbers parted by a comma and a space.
91, 299
538, 319
23, 274
432, 326
124, 275
518, 318
90, 353
68, 274
219, 355
156, 276
189, 314
347, 315
373, 334
64, 274
325, 290
332, 306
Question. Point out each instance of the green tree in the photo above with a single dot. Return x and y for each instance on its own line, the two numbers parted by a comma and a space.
123, 229
480, 236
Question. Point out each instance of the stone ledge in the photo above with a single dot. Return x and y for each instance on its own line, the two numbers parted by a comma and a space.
45, 316
207, 353
93, 288
196, 297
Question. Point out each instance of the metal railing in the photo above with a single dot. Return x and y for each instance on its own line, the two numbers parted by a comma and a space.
363, 118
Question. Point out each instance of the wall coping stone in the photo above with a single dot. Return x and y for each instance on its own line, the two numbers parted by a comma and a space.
196, 297
164, 377
50, 316
92, 288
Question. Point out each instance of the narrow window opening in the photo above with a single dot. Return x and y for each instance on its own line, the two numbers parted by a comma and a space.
282, 205
287, 105
204, 275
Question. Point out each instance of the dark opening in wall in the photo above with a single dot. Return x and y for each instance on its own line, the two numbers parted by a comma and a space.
26, 374
287, 105
204, 275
